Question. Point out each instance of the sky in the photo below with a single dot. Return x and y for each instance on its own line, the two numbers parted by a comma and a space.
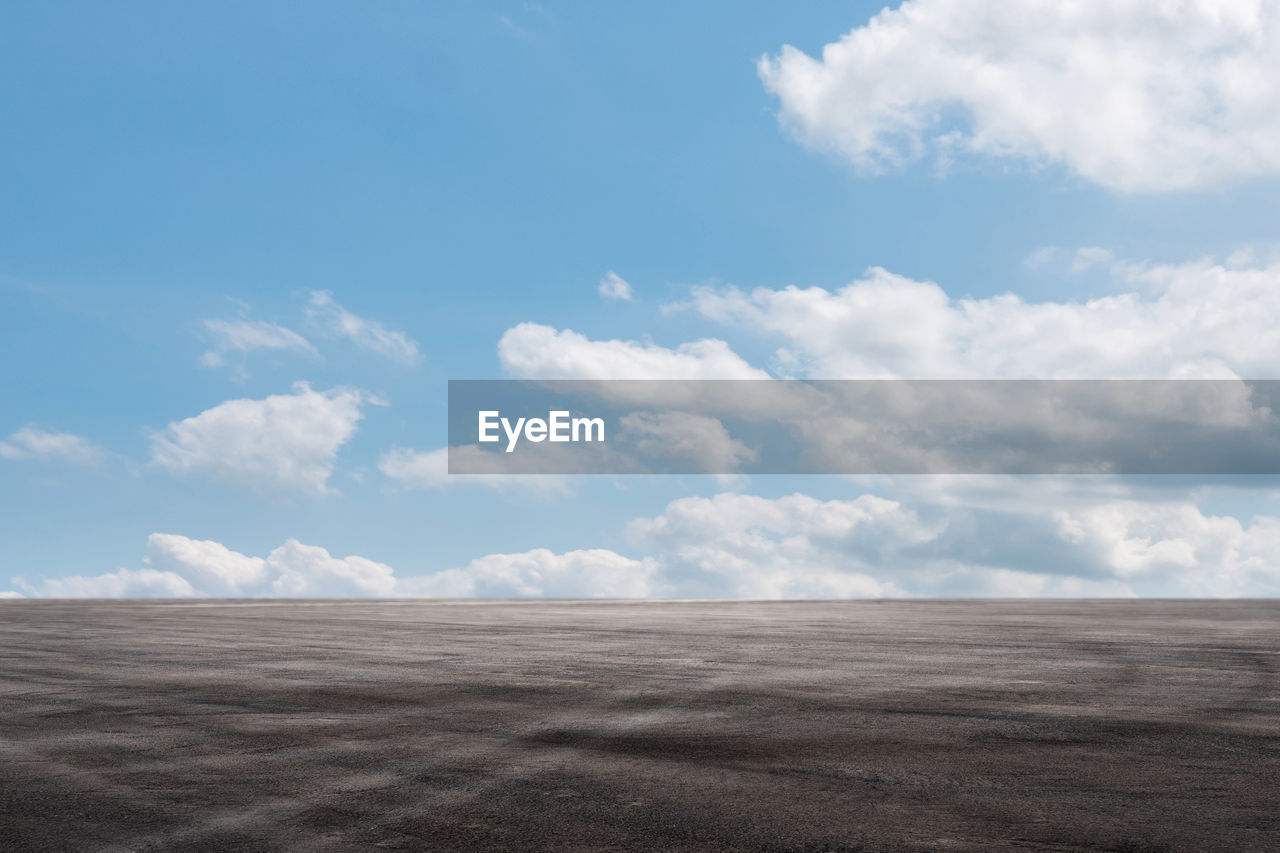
244, 246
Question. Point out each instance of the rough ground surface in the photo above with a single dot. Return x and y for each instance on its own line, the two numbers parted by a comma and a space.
707, 726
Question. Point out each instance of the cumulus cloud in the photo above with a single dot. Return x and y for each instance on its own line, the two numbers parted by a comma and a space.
177, 566
33, 443
209, 566
286, 441
423, 469
1200, 319
126, 583
541, 352
615, 287
744, 546
1133, 95
593, 573
1177, 545
1024, 537
1197, 320
1146, 536
952, 536
332, 318
306, 570
244, 335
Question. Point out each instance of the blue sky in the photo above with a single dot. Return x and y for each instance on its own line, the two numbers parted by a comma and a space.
448, 172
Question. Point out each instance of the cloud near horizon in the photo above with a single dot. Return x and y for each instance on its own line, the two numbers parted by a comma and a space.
1087, 543
180, 567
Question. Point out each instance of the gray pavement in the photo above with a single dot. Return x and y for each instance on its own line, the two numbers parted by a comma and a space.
674, 726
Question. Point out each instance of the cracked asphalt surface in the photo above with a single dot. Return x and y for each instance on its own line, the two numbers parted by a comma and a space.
673, 726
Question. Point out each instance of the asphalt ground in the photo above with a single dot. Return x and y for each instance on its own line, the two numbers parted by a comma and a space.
672, 726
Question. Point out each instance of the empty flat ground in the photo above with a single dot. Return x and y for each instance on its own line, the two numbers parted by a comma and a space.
681, 726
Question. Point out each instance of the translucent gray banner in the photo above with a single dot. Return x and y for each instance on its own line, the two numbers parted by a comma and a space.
1197, 427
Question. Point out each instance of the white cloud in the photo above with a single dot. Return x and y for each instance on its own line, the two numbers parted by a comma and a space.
177, 566
594, 573
743, 546
1176, 544
540, 352
286, 441
1025, 537
367, 334
1199, 319
1194, 320
614, 286
245, 335
422, 469
429, 469
126, 583
966, 536
209, 566
33, 443
1148, 535
298, 570
1134, 95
